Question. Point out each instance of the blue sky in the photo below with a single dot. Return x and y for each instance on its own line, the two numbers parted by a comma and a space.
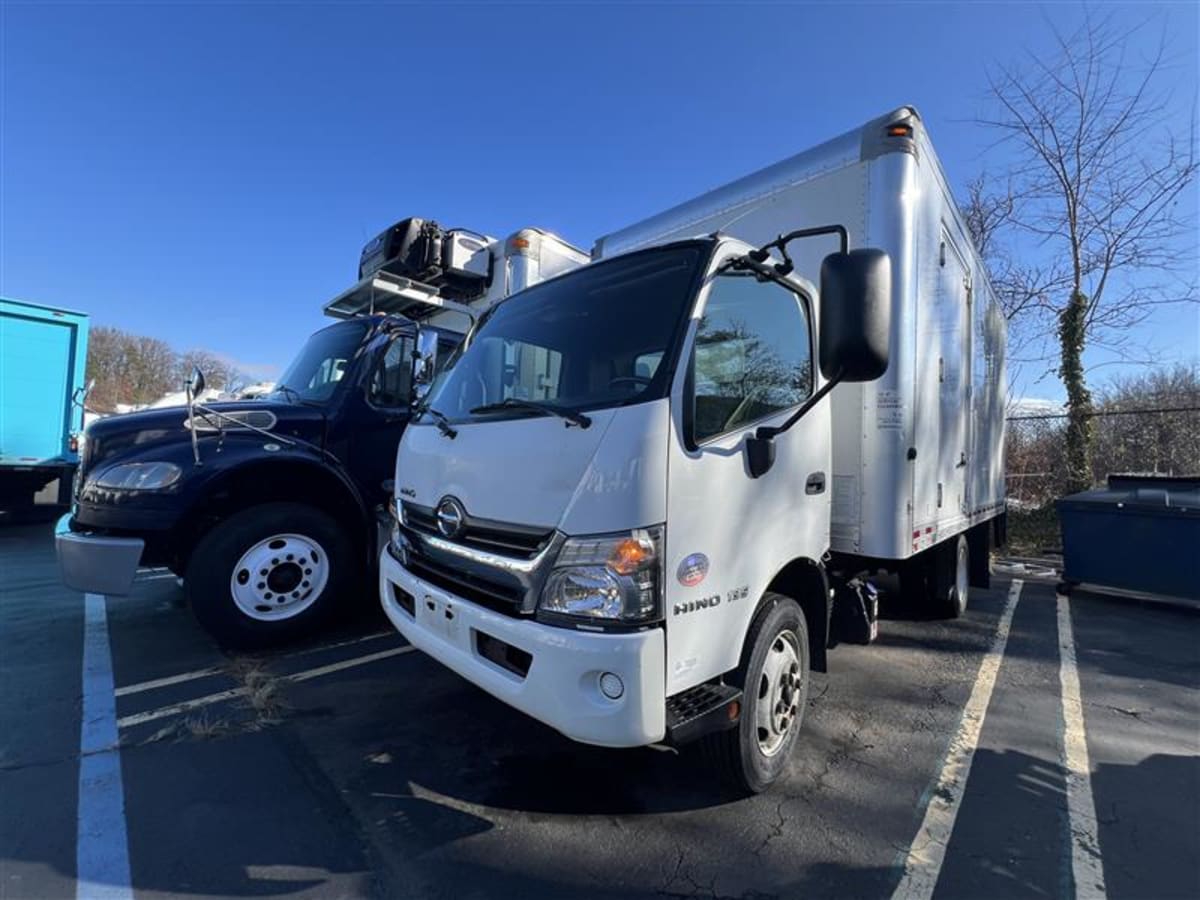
207, 172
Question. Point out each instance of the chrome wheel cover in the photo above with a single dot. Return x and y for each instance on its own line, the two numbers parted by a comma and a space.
779, 693
961, 576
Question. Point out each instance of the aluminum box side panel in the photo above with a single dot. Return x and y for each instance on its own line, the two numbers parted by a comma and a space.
987, 346
873, 421
726, 208
957, 389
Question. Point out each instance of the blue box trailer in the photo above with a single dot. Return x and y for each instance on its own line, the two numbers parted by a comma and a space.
43, 355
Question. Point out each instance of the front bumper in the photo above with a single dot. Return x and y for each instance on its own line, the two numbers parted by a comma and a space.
562, 684
96, 563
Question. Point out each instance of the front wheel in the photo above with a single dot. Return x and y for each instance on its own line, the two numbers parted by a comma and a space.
774, 676
269, 574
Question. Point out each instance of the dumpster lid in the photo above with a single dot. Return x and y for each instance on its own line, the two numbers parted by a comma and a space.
1179, 492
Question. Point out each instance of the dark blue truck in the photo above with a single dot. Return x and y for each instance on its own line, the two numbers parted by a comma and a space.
271, 509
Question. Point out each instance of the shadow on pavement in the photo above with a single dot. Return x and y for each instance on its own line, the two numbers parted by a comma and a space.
1148, 812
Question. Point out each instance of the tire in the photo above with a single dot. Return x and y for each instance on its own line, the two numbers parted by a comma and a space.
270, 574
952, 578
936, 583
775, 667
915, 586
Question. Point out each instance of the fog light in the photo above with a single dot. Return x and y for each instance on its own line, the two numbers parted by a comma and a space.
611, 686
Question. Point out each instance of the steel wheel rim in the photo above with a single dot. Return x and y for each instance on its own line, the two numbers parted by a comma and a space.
960, 576
279, 577
779, 693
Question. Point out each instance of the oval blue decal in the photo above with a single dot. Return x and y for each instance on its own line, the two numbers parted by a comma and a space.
692, 570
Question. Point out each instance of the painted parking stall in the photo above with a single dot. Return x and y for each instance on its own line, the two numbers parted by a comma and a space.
348, 786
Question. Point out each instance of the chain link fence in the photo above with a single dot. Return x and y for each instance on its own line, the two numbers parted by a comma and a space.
1159, 440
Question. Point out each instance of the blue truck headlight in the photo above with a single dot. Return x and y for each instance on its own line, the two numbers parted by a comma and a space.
138, 476
607, 578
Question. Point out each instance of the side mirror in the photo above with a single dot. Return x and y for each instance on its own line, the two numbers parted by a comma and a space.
195, 383
425, 357
79, 398
856, 314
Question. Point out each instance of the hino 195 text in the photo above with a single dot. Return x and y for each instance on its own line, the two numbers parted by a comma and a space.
642, 493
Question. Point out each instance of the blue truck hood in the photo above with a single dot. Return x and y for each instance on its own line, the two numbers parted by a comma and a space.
134, 434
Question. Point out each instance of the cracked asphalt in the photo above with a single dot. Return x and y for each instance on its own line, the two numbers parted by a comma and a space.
383, 774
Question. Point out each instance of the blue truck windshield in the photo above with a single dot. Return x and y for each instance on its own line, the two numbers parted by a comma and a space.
596, 337
317, 370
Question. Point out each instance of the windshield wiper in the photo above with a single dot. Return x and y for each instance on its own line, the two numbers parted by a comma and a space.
440, 420
287, 392
572, 416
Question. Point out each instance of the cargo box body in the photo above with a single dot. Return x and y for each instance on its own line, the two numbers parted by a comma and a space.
918, 455
43, 354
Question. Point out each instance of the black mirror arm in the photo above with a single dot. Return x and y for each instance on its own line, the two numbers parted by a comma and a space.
783, 240
769, 432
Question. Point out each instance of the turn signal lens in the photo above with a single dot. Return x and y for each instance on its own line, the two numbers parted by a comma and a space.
630, 555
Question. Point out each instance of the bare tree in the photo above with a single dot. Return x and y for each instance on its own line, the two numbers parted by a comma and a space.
1163, 438
1095, 192
1025, 287
129, 368
135, 370
106, 364
218, 372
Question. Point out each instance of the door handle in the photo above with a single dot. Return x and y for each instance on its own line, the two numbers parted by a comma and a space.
815, 483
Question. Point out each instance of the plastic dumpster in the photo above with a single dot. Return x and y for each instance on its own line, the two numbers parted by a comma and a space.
1140, 533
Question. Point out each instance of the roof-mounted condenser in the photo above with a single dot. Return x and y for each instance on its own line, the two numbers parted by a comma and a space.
456, 261
417, 268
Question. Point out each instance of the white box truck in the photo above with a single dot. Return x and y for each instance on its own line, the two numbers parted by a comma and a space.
644, 490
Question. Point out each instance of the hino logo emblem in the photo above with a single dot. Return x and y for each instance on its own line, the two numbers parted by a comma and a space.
450, 516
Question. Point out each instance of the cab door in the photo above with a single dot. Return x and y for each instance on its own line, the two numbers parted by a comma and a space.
749, 361
376, 419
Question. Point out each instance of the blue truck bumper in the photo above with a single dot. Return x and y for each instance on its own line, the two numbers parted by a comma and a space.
96, 563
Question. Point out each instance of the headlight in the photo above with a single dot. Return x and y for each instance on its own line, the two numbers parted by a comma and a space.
612, 577
138, 476
396, 542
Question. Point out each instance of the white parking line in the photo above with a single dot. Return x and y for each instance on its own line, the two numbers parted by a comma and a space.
217, 670
173, 709
928, 850
1086, 865
168, 681
101, 846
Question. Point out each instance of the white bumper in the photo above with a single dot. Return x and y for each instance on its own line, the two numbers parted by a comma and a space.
562, 685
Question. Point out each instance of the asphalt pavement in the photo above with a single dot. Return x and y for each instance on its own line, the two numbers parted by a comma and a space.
943, 760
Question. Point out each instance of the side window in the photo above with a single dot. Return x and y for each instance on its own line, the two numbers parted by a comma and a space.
753, 355
531, 372
391, 385
645, 365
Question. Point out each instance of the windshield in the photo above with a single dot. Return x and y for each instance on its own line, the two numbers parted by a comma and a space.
316, 371
595, 337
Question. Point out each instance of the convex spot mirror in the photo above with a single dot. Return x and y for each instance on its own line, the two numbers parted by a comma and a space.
195, 382
856, 312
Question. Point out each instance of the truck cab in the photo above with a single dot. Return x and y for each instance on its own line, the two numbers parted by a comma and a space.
603, 583
270, 508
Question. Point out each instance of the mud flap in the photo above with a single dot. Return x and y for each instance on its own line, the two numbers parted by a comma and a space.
855, 612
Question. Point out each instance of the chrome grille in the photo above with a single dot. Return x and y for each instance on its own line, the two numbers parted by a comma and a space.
506, 539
